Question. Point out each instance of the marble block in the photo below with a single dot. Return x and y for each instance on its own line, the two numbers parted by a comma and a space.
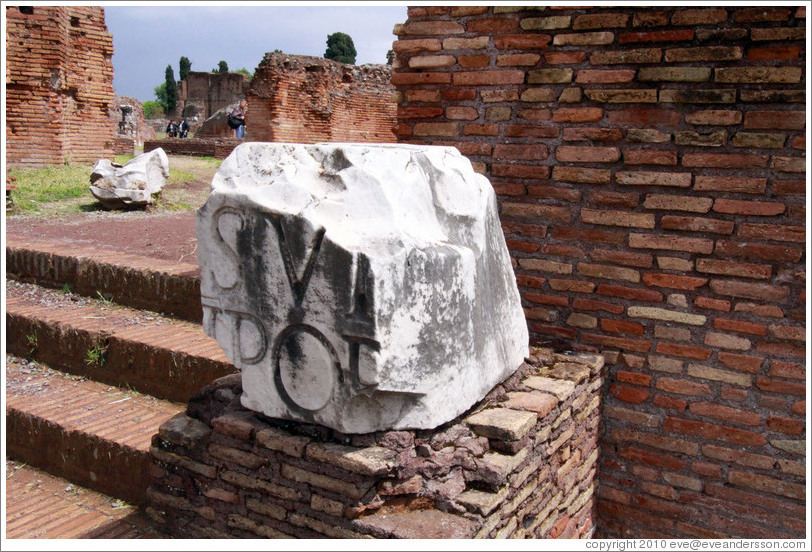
131, 185
362, 287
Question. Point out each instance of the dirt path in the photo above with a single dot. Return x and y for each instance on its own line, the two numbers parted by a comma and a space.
159, 233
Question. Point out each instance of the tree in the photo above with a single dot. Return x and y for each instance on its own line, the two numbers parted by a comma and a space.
153, 110
245, 72
171, 90
340, 48
160, 94
390, 57
222, 67
185, 66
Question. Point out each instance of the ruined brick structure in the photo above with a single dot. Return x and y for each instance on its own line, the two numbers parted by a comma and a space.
522, 463
307, 99
59, 85
131, 128
650, 164
201, 94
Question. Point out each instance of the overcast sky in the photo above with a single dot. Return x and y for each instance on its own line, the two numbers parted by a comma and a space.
146, 38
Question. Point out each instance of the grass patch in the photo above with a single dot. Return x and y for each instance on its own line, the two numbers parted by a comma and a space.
63, 189
123, 159
43, 185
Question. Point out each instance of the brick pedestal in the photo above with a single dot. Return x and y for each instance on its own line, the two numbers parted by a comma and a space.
520, 464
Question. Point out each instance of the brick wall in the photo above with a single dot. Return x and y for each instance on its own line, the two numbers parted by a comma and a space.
202, 94
520, 464
307, 99
59, 85
219, 148
650, 166
127, 117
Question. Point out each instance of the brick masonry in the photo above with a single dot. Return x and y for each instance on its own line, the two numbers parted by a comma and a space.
202, 94
59, 85
520, 464
219, 148
307, 99
650, 166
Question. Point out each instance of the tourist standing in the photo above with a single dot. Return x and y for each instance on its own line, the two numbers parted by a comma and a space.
238, 116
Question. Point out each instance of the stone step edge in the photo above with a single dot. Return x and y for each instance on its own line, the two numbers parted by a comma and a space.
64, 449
127, 279
82, 512
165, 373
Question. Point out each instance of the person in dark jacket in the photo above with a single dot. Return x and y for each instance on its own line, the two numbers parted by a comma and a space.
238, 114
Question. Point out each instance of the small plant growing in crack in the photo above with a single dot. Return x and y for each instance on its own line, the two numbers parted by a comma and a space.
66, 289
33, 343
96, 355
104, 299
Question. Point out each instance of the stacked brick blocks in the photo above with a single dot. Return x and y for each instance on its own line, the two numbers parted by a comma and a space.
650, 164
521, 463
304, 99
59, 85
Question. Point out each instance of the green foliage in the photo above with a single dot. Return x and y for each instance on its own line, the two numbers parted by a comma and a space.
123, 159
184, 67
222, 67
390, 57
340, 48
153, 109
160, 93
36, 186
96, 355
171, 89
66, 288
245, 72
33, 343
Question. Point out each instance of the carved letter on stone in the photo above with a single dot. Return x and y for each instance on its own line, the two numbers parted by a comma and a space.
362, 287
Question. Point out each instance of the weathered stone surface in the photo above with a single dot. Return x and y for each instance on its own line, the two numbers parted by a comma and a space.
216, 125
366, 461
417, 524
502, 423
130, 185
182, 430
562, 389
361, 287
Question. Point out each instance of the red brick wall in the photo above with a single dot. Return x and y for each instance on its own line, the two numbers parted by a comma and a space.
306, 100
219, 148
202, 94
59, 85
650, 170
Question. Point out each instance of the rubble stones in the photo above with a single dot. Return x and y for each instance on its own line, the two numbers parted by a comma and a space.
385, 483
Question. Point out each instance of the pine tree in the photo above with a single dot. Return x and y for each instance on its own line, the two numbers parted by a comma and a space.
340, 48
171, 90
185, 66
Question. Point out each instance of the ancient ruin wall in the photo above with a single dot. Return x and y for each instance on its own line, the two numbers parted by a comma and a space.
59, 85
307, 99
202, 94
130, 125
650, 164
521, 464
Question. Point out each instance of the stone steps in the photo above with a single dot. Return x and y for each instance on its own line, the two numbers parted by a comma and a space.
40, 505
171, 288
154, 354
90, 433
100, 376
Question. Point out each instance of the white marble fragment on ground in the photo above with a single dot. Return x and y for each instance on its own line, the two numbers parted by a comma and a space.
131, 185
357, 286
